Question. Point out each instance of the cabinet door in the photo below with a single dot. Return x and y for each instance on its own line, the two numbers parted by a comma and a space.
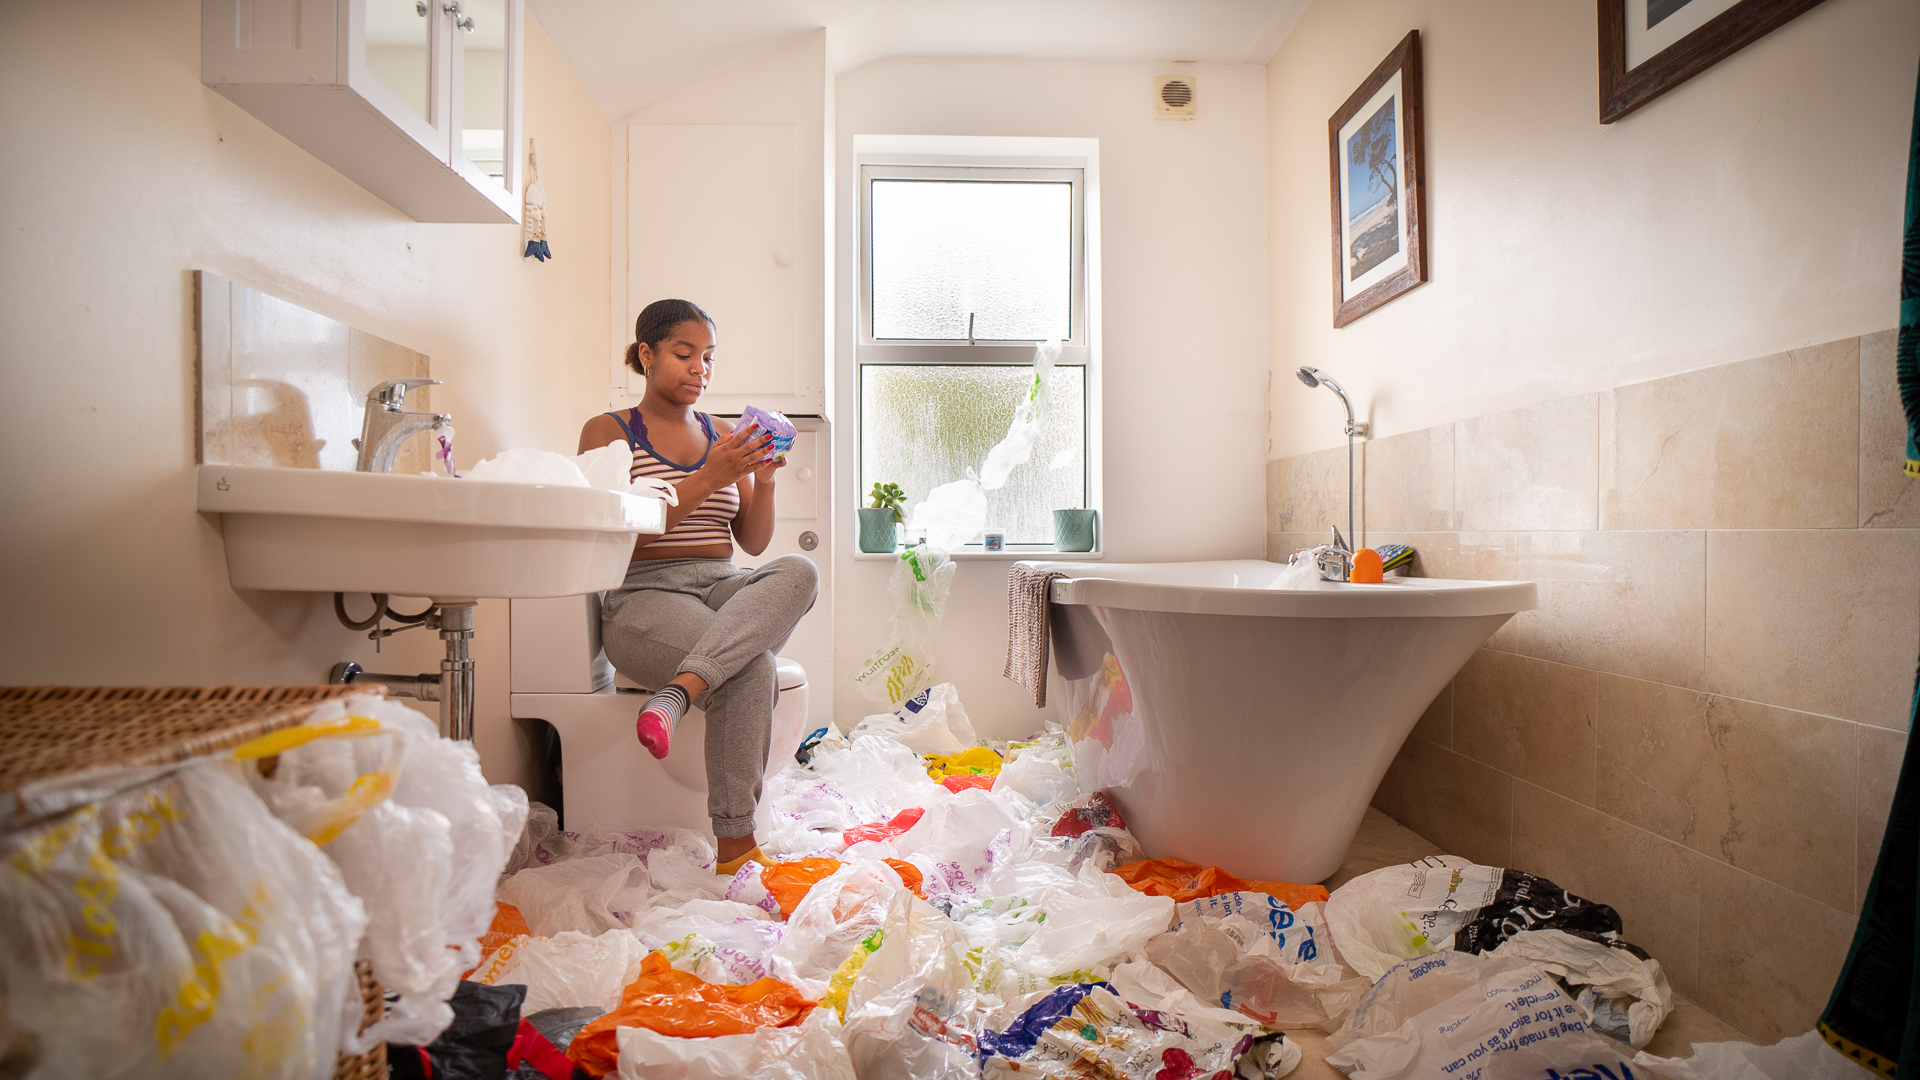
398, 60
712, 218
485, 96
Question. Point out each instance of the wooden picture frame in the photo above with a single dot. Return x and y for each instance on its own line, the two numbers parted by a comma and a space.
1737, 24
1376, 154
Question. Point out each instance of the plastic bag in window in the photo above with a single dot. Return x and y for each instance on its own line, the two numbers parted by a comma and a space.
176, 930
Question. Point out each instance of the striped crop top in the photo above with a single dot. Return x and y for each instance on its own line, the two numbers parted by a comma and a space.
707, 524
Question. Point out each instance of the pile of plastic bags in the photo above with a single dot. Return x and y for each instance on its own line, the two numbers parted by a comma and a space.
205, 920
945, 907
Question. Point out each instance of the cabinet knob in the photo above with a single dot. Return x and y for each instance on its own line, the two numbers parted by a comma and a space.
780, 257
463, 21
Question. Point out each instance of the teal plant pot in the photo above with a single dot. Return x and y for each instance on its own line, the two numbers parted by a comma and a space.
876, 530
1073, 530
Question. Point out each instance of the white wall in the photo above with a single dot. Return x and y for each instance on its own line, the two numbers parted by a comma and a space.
1183, 334
1755, 208
123, 174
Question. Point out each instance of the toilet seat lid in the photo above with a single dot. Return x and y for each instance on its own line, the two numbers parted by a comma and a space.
789, 672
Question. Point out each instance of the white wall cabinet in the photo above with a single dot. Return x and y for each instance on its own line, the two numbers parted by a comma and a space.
418, 101
713, 216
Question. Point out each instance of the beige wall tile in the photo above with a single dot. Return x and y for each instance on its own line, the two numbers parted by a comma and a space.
1307, 493
1410, 481
1627, 602
1824, 621
1764, 789
214, 316
1461, 805
371, 361
1436, 724
1889, 498
1530, 718
1768, 956
1652, 882
1532, 468
1689, 1024
1881, 752
1762, 444
1282, 544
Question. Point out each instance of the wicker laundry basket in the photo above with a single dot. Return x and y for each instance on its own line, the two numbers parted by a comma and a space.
50, 731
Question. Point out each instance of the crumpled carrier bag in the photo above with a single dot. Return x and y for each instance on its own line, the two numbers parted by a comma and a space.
176, 930
567, 970
909, 1008
676, 1004
1453, 1014
1250, 952
1803, 1057
810, 1050
1088, 1030
418, 834
1185, 881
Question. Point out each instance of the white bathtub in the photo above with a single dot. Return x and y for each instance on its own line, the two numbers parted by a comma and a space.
1245, 727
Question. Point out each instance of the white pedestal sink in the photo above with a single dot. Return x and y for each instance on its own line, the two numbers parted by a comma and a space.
454, 541
314, 530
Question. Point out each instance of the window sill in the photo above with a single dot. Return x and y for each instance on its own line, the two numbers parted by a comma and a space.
992, 556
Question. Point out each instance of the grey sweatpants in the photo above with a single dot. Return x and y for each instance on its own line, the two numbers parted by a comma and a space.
722, 623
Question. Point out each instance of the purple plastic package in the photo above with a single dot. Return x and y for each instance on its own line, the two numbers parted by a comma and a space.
773, 423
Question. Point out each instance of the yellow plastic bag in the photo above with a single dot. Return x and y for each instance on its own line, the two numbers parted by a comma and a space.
973, 761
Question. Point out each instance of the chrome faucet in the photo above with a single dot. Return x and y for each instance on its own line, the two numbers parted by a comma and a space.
388, 424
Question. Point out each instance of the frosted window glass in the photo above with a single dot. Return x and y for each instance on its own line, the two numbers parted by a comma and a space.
924, 425
1000, 251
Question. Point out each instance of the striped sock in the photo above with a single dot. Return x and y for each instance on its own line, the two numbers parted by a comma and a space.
660, 716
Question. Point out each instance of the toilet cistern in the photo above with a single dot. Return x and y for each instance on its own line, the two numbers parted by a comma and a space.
1355, 429
387, 424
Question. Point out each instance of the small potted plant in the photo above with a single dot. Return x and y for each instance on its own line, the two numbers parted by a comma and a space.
1073, 529
877, 521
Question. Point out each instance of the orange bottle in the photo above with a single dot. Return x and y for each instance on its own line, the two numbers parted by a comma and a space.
1366, 568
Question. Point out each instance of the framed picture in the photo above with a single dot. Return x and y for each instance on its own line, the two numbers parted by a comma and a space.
1378, 169
1648, 47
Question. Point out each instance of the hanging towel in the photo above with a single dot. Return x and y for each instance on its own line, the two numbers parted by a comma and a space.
1871, 1016
1027, 590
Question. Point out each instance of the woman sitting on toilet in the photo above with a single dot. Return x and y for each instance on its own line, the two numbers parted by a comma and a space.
687, 620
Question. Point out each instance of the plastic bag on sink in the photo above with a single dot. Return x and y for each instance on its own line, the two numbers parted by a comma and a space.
526, 465
609, 469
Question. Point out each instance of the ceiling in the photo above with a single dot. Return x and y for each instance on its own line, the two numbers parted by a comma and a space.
632, 53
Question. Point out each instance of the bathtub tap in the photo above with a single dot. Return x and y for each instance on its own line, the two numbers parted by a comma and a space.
1246, 727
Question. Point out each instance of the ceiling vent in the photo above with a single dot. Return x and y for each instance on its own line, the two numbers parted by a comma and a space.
1175, 97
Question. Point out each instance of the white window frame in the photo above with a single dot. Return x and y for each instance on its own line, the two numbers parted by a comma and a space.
1077, 350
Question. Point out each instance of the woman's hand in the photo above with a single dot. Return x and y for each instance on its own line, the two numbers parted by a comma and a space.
745, 450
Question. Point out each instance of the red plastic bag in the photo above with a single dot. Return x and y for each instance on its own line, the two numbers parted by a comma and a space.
1185, 881
901, 822
685, 1006
1096, 811
789, 882
508, 924
958, 784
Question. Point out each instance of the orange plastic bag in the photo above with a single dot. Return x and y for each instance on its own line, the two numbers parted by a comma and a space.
685, 1006
1185, 881
958, 784
910, 876
789, 882
508, 924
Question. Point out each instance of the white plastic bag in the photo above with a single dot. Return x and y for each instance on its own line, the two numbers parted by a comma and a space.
810, 1050
590, 895
1453, 1014
951, 516
910, 1006
836, 914
1803, 1057
1626, 997
1029, 420
176, 930
930, 722
610, 467
525, 465
566, 970
898, 669
1251, 952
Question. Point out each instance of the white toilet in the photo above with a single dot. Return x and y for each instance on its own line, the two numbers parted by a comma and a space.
560, 675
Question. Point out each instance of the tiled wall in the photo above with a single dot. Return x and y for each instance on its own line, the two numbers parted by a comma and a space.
1703, 721
281, 385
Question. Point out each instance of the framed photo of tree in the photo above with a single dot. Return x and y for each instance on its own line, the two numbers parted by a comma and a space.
1376, 154
1648, 47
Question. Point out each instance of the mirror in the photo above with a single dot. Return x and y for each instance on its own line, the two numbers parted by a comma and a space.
483, 87
399, 50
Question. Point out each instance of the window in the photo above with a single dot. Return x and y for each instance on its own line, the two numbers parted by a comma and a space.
964, 269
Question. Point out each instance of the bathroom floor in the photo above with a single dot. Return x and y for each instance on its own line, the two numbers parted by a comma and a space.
1383, 841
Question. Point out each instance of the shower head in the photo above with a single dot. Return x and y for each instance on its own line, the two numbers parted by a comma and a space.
1312, 377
